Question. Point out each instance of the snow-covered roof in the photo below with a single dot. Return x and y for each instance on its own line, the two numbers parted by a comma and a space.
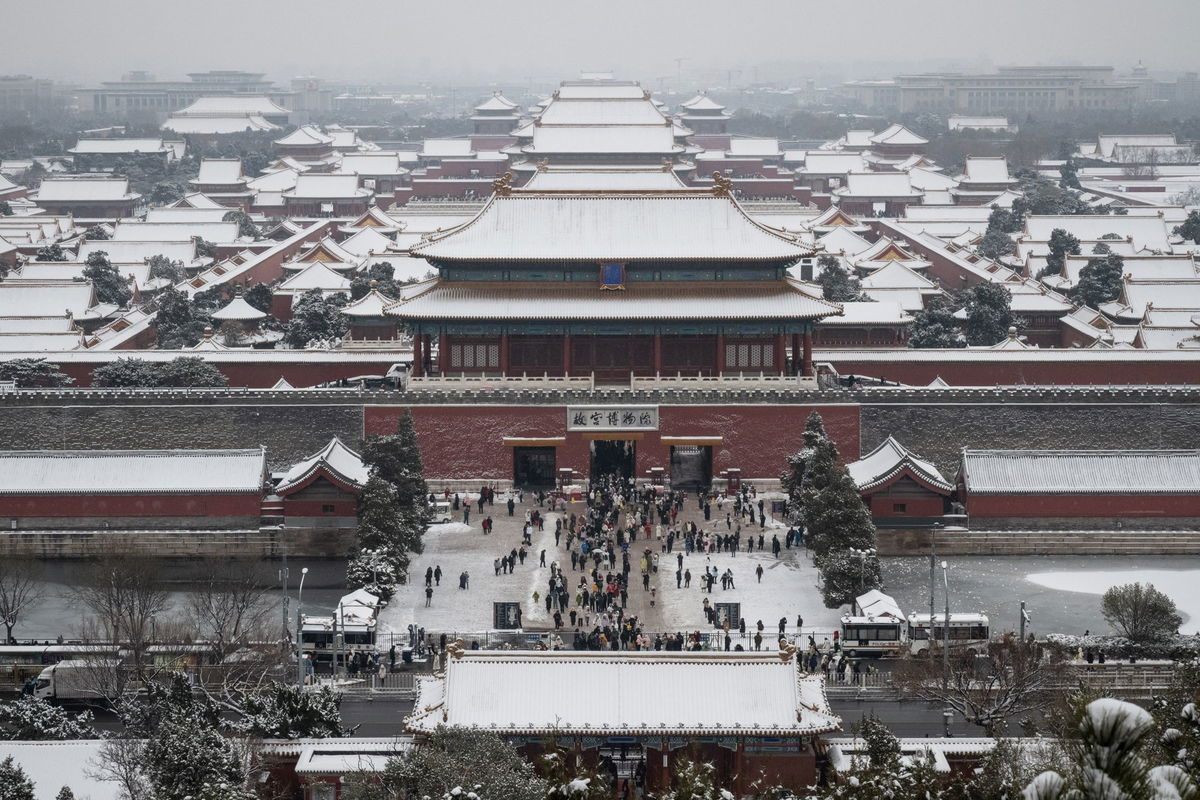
899, 135
896, 275
878, 605
497, 102
622, 139
25, 472
600, 91
1119, 472
207, 126
30, 298
832, 162
238, 309
119, 146
365, 242
337, 462
1146, 232
130, 251
196, 200
860, 313
382, 163
958, 122
651, 300
542, 227
600, 180
447, 148
891, 459
317, 275
305, 135
877, 184
231, 106
134, 231
948, 213
321, 187
371, 304
702, 102
930, 180
220, 171
1106, 143
843, 240
754, 147
761, 694
278, 181
183, 214
602, 112
84, 189
987, 170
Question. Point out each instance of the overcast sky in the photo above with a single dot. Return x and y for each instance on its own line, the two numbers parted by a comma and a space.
452, 41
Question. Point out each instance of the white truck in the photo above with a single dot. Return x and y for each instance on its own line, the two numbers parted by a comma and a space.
75, 681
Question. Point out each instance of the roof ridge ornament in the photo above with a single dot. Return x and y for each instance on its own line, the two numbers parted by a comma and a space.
503, 185
722, 186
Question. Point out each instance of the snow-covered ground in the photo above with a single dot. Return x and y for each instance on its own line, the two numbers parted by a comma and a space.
1180, 585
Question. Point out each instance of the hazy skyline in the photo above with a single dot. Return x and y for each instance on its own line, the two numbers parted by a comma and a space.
547, 40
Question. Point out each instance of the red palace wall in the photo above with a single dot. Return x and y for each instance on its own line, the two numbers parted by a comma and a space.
992, 371
468, 442
1082, 505
883, 506
138, 505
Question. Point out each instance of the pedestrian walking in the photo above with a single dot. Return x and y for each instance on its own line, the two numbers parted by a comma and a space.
759, 571
542, 562
428, 595
437, 575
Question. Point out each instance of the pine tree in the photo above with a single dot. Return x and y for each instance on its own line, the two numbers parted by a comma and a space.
569, 781
811, 467
695, 780
837, 284
50, 253
1061, 243
109, 285
989, 313
287, 711
996, 245
316, 319
1100, 281
14, 783
387, 537
455, 761
178, 322
33, 373
1190, 229
936, 326
36, 720
65, 793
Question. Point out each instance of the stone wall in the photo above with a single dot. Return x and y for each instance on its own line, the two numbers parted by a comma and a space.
938, 429
310, 542
289, 432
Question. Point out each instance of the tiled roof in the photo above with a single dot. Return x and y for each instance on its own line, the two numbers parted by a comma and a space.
322, 187
536, 227
565, 301
118, 146
130, 471
602, 112
238, 309
624, 694
898, 134
596, 180
201, 126
623, 139
33, 298
220, 171
84, 189
890, 459
231, 105
305, 135
1081, 471
216, 232
343, 463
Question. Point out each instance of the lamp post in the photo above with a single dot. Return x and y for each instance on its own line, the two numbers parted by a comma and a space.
947, 712
300, 628
861, 555
932, 580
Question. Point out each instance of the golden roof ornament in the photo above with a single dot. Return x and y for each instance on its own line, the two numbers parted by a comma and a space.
722, 186
503, 185
667, 165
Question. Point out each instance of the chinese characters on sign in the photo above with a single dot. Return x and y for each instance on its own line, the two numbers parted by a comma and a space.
612, 418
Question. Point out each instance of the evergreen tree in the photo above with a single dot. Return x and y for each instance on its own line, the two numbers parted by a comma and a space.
32, 719
1100, 281
1003, 221
5, 209
178, 322
811, 468
456, 761
192, 372
1068, 175
163, 267
881, 745
65, 793
205, 249
50, 253
996, 245
110, 286
14, 783
387, 536
1061, 243
836, 284
95, 233
126, 372
316, 319
31, 373
259, 295
695, 780
936, 326
287, 711
568, 781
989, 315
1190, 229
246, 226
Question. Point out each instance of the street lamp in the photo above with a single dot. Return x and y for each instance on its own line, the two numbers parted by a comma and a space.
300, 628
862, 565
947, 712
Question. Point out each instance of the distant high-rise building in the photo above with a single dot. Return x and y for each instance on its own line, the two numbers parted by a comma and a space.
23, 94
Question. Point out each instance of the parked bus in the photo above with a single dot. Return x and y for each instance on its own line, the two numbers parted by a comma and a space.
967, 630
875, 626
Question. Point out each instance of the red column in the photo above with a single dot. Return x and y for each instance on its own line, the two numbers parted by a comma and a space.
657, 354
720, 353
443, 354
797, 367
566, 345
504, 354
780, 354
808, 365
428, 352
417, 371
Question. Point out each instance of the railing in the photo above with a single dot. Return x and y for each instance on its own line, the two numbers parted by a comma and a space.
486, 382
738, 380
393, 684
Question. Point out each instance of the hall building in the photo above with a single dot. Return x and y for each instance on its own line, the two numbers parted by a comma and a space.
612, 284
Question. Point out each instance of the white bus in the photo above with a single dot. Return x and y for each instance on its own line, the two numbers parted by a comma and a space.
875, 627
967, 630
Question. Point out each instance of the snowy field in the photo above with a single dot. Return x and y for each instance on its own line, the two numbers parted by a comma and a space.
1062, 593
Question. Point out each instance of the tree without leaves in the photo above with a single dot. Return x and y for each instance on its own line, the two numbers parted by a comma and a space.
228, 609
20, 588
30, 373
1005, 679
125, 594
119, 762
1140, 613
